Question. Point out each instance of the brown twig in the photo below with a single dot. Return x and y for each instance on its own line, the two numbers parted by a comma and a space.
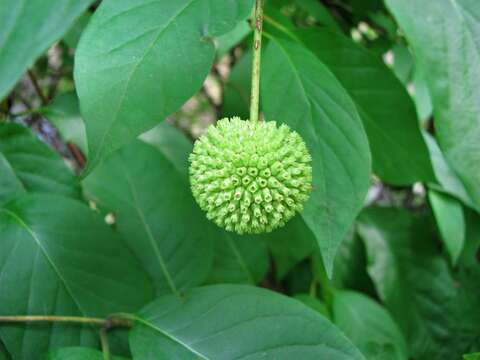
77, 154
35, 84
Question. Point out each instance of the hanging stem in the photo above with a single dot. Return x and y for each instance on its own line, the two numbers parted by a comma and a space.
104, 343
257, 52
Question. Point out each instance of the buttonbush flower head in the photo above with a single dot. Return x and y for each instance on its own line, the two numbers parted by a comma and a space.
250, 177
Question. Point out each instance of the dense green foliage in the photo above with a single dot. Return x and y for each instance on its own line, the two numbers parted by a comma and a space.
107, 253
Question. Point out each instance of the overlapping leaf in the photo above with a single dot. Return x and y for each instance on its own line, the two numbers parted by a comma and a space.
399, 153
435, 309
146, 187
445, 37
369, 326
64, 113
238, 259
297, 89
59, 258
226, 322
451, 222
140, 60
28, 165
28, 28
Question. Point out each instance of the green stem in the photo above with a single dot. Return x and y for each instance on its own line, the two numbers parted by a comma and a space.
326, 286
257, 52
115, 320
68, 319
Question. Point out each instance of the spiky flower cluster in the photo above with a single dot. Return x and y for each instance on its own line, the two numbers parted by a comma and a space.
250, 177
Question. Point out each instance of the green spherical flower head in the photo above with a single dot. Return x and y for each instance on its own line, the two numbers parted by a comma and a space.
250, 177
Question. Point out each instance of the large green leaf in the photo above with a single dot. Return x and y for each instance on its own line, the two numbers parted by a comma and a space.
451, 222
226, 322
28, 28
436, 312
29, 165
368, 325
147, 189
78, 353
238, 259
445, 37
140, 60
58, 258
297, 89
399, 153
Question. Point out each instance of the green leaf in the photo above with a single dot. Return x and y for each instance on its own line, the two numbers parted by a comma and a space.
226, 322
313, 303
446, 177
297, 89
78, 353
228, 41
349, 271
64, 113
367, 324
471, 249
437, 316
319, 12
445, 41
58, 258
10, 185
72, 37
140, 60
421, 97
399, 153
299, 279
174, 146
3, 352
147, 188
238, 259
28, 28
236, 98
468, 303
472, 356
29, 165
402, 63
290, 245
451, 222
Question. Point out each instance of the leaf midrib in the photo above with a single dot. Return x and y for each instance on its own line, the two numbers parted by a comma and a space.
169, 336
150, 236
